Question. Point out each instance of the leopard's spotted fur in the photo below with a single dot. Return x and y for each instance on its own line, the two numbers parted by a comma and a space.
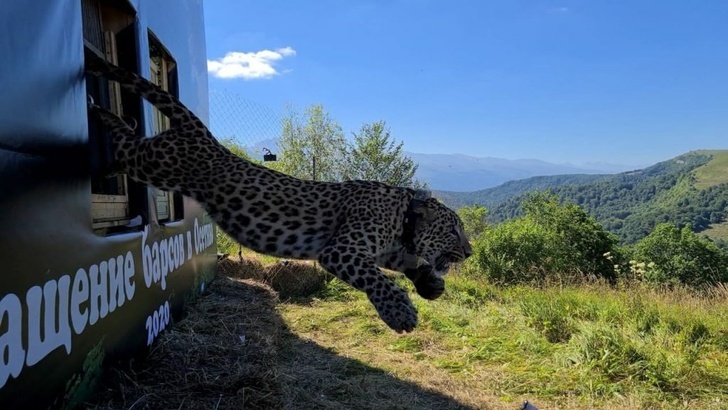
352, 228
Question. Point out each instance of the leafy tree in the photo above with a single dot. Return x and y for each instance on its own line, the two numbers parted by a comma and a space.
548, 240
474, 220
375, 156
515, 251
679, 255
237, 149
315, 136
583, 241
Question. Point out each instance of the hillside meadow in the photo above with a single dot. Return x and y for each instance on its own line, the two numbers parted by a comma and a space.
556, 346
480, 346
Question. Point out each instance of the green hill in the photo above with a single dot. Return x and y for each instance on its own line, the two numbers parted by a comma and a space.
689, 189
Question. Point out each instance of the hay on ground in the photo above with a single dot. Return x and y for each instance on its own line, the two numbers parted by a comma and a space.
291, 279
222, 355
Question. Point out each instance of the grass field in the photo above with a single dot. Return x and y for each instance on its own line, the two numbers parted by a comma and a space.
714, 172
717, 231
575, 347
477, 347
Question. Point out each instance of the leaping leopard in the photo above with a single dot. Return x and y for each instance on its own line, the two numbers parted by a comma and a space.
352, 228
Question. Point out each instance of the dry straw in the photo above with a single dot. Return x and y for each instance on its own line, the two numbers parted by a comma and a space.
222, 355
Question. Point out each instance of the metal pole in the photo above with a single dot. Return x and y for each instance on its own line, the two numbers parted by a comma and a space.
314, 167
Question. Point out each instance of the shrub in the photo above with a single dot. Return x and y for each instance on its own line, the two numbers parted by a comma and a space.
474, 220
513, 252
678, 255
549, 241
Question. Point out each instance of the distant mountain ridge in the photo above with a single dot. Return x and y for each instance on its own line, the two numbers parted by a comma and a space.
463, 173
458, 172
689, 189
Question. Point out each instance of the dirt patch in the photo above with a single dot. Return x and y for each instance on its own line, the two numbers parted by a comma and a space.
222, 355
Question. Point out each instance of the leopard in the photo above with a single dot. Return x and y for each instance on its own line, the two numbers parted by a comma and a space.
354, 229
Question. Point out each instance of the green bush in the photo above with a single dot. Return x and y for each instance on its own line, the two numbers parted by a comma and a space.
550, 241
513, 252
676, 255
474, 220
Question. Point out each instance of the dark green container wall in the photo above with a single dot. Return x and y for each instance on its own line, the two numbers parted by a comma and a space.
70, 298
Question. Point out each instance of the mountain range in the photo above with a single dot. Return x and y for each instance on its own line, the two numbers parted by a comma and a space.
458, 172
690, 189
462, 173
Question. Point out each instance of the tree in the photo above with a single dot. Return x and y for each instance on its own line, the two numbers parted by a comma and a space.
474, 222
312, 146
584, 243
680, 255
235, 148
550, 240
375, 156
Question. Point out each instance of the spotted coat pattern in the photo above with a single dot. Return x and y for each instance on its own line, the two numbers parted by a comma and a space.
352, 228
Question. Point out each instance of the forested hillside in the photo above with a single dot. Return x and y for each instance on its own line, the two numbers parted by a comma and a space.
690, 189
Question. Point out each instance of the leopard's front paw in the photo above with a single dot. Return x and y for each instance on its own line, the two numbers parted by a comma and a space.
427, 284
395, 308
430, 286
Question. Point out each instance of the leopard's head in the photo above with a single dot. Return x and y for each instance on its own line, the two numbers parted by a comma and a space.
439, 236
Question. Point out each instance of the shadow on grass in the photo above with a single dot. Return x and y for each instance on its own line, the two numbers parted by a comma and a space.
233, 351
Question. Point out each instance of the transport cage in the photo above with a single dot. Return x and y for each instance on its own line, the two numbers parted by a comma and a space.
94, 268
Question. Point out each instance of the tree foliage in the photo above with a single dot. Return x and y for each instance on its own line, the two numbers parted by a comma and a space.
548, 240
474, 220
679, 255
237, 149
313, 136
375, 156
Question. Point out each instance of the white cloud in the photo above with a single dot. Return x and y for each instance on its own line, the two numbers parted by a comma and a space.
249, 66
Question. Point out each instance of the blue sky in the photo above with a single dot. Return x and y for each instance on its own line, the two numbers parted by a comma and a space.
628, 82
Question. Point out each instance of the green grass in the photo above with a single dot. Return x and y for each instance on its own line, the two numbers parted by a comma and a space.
714, 172
559, 347
717, 231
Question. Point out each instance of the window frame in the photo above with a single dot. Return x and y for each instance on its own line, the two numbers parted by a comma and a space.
112, 208
162, 66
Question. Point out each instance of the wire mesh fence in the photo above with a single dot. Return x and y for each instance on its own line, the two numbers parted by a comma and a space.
248, 124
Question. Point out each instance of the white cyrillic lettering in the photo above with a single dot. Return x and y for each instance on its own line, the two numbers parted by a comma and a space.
56, 331
146, 258
12, 354
99, 293
116, 282
79, 295
129, 285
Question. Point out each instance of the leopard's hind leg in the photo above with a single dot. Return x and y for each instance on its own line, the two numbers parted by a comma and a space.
122, 135
139, 157
180, 116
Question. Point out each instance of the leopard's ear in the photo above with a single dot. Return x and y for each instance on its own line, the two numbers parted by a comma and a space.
424, 206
